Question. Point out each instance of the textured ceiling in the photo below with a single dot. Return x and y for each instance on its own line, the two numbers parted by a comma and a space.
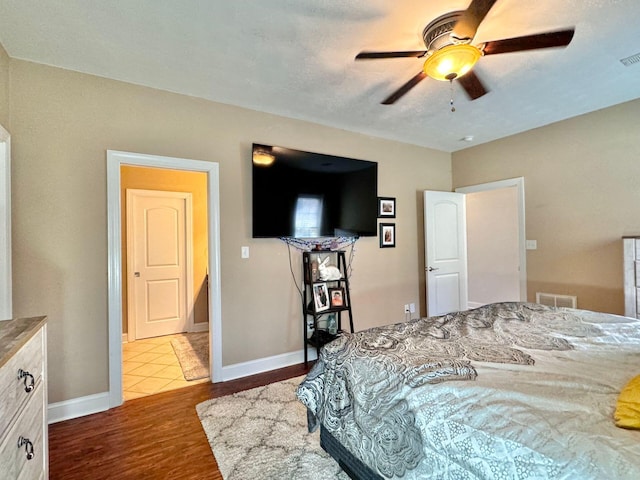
296, 58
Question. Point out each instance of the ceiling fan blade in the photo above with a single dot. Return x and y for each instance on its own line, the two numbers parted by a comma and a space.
466, 27
395, 96
472, 85
375, 55
561, 38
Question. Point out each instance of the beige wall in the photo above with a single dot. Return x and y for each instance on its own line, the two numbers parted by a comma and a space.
581, 186
173, 181
4, 88
63, 122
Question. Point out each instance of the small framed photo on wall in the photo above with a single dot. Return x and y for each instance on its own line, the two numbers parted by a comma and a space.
386, 207
387, 235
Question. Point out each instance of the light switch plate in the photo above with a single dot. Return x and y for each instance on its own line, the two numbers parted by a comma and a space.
532, 244
244, 252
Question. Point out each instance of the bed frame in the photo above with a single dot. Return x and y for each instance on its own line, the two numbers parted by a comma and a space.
351, 465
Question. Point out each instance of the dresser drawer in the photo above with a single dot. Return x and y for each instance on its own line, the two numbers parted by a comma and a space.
24, 477
14, 393
13, 457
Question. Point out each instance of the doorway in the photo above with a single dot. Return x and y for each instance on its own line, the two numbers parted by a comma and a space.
210, 291
165, 253
446, 229
496, 241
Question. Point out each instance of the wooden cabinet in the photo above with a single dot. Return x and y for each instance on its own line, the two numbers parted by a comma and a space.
325, 297
23, 399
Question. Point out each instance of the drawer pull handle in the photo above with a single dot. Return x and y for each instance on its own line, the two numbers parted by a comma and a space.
29, 381
28, 447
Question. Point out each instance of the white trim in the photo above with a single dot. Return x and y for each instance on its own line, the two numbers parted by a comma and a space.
522, 234
125, 338
253, 367
115, 160
77, 407
6, 309
187, 197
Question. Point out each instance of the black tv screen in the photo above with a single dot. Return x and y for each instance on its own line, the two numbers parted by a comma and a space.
312, 195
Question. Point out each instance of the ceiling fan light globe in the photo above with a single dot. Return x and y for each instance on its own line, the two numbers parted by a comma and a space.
452, 61
263, 157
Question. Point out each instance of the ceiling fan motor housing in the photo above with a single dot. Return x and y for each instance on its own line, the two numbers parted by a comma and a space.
437, 34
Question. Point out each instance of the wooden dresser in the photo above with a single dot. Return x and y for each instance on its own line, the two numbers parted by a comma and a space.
631, 266
23, 399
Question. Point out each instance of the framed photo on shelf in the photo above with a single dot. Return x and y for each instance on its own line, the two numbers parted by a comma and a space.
387, 235
336, 296
320, 297
386, 207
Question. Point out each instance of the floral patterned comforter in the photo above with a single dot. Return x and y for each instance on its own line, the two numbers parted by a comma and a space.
509, 390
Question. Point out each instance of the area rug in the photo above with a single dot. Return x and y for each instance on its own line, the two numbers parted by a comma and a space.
261, 434
192, 350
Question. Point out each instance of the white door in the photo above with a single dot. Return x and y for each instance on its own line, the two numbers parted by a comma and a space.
445, 252
158, 251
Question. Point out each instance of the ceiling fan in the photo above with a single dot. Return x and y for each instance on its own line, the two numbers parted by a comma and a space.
451, 56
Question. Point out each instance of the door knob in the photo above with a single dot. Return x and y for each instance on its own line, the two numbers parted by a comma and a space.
431, 269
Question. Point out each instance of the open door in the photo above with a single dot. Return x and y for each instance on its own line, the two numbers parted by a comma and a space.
445, 252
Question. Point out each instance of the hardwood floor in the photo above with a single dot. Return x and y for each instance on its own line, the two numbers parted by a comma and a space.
156, 437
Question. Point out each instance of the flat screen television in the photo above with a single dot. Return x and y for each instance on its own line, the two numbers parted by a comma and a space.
312, 195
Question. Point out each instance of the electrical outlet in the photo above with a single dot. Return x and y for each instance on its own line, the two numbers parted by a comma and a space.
406, 308
412, 307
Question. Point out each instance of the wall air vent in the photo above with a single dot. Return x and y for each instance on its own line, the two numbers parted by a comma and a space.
628, 61
555, 300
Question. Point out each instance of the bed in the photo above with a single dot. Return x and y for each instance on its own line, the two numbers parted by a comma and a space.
505, 391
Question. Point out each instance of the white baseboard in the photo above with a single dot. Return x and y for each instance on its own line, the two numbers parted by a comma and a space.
77, 407
99, 402
199, 327
125, 338
471, 305
244, 369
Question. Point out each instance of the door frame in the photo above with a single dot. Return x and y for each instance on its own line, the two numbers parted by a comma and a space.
6, 308
132, 328
518, 183
116, 159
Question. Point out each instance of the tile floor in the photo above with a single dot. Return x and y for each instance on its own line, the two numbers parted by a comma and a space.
150, 366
